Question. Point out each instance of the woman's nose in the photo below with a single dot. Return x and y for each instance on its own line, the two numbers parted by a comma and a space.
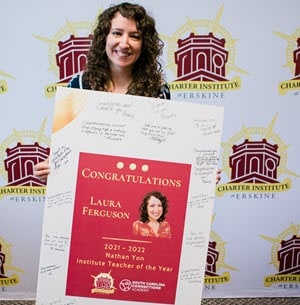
124, 40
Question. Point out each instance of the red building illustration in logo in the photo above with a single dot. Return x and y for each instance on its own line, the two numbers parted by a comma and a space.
211, 259
20, 162
289, 256
71, 57
254, 162
297, 60
2, 262
201, 58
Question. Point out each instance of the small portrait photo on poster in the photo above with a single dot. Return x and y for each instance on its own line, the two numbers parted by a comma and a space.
152, 221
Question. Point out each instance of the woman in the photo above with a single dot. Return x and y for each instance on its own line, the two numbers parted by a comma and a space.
152, 223
123, 58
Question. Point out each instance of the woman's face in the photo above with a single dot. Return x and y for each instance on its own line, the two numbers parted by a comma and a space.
123, 43
154, 208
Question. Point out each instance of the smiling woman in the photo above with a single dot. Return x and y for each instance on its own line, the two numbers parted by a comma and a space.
153, 210
125, 54
123, 48
124, 58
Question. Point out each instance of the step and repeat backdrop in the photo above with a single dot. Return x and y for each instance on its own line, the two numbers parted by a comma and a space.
244, 56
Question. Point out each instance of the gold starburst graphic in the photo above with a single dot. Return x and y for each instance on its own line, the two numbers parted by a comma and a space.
3, 83
7, 279
201, 27
221, 249
257, 133
288, 261
291, 46
252, 179
71, 28
276, 242
23, 137
220, 262
292, 84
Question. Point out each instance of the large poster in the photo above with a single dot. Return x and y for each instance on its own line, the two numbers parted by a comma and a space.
106, 233
215, 53
129, 199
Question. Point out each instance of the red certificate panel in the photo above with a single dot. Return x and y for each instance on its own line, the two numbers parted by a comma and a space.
124, 247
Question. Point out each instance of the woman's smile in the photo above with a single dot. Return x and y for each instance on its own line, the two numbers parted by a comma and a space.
154, 208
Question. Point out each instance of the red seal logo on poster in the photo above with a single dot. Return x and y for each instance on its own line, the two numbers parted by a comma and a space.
103, 283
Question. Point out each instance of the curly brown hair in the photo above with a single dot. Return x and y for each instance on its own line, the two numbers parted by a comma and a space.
147, 71
143, 207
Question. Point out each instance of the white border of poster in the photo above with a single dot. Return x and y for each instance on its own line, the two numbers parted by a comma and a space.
105, 124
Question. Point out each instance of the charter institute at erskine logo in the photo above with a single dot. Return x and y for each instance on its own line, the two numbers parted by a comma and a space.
255, 158
292, 62
8, 277
19, 153
67, 52
201, 54
215, 263
285, 256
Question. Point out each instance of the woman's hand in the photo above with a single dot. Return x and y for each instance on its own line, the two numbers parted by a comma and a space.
218, 175
42, 170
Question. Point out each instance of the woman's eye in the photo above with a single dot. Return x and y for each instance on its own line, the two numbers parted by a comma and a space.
136, 37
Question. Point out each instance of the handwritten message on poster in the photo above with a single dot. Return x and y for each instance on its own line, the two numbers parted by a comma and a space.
129, 200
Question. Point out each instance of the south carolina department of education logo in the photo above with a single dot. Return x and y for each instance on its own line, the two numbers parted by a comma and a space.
8, 277
255, 158
292, 62
103, 284
19, 152
67, 52
201, 53
285, 257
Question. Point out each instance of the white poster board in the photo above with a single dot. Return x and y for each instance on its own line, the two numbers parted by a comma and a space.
108, 151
